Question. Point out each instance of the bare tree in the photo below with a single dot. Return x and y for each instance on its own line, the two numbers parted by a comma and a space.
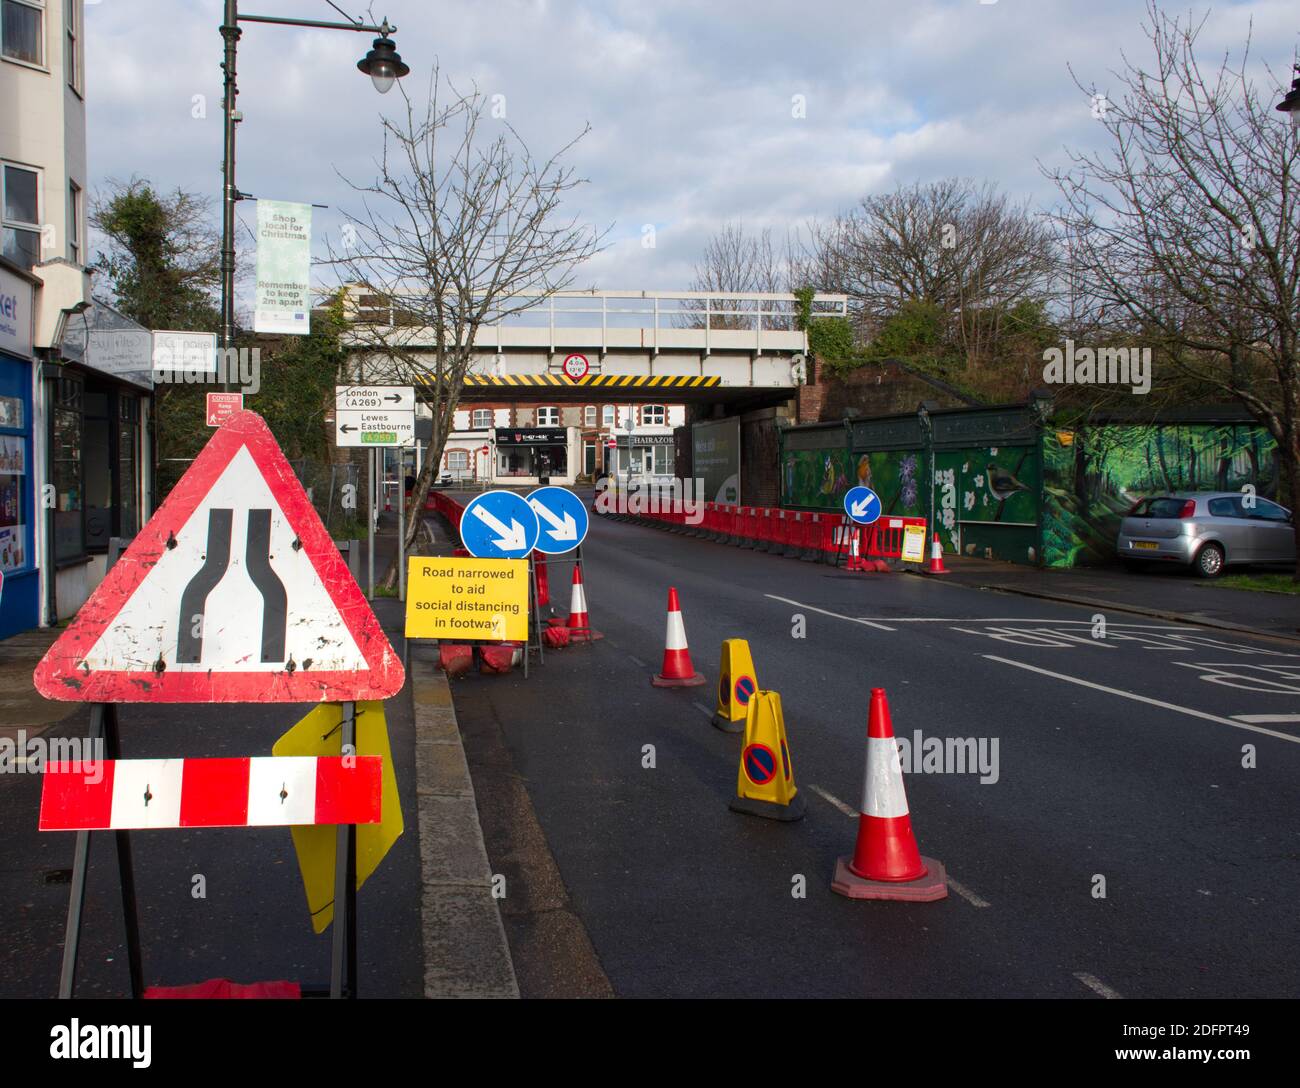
964, 248
461, 228
1189, 223
736, 260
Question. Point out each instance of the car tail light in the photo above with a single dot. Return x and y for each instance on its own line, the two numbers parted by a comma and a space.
1189, 509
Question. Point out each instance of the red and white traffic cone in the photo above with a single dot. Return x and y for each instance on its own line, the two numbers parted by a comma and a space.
886, 863
936, 558
678, 672
580, 629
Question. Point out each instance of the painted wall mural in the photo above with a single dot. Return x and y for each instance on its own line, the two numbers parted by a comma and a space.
1094, 476
818, 479
986, 499
986, 502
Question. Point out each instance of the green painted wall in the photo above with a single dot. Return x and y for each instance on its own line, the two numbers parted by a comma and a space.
1094, 476
986, 501
818, 479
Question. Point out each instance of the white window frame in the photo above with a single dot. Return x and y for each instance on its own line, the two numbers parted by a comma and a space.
608, 415
474, 418
74, 222
72, 34
43, 63
15, 224
660, 409
550, 421
589, 416
457, 453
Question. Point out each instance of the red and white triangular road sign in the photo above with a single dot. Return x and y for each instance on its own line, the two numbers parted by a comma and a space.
233, 593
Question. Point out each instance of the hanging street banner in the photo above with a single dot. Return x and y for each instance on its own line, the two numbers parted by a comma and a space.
467, 598
283, 268
234, 592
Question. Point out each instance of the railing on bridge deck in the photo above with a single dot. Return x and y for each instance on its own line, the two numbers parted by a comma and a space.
644, 320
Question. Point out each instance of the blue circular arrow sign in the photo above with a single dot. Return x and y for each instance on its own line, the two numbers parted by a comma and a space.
862, 505
562, 518
499, 525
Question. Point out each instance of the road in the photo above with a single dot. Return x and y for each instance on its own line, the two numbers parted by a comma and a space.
1120, 760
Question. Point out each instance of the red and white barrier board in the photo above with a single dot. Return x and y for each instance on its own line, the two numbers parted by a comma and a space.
258, 791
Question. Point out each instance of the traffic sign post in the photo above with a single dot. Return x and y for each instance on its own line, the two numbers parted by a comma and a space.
167, 625
562, 519
862, 505
170, 624
499, 525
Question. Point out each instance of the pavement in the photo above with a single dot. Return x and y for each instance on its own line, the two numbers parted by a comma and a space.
1134, 834
1162, 593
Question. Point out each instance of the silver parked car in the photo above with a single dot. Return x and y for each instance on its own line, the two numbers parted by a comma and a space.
1207, 530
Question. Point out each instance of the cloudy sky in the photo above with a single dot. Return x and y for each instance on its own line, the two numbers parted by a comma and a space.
692, 104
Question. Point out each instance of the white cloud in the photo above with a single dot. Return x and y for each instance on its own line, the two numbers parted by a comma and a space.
690, 103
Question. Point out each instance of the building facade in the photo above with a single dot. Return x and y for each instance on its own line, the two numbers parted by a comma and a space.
75, 384
505, 442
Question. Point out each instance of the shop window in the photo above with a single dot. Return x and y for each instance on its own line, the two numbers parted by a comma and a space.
66, 434
22, 30
662, 461
20, 221
13, 485
548, 417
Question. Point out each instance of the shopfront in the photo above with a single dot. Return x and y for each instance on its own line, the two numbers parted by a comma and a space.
100, 457
646, 455
536, 454
20, 596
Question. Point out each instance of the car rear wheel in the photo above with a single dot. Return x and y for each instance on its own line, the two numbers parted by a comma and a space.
1209, 561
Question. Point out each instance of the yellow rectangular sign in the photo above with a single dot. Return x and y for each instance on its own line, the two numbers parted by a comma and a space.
913, 543
466, 598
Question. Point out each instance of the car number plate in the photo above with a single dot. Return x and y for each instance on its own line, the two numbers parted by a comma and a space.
1149, 545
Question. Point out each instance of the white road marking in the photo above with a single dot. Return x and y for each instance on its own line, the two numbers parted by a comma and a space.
1097, 986
703, 710
968, 895
838, 616
1144, 699
834, 801
1261, 719
1027, 619
637, 661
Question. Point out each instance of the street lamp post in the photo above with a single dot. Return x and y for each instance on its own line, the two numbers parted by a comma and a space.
382, 64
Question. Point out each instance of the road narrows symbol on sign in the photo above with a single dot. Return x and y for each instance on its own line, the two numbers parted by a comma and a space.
759, 762
233, 592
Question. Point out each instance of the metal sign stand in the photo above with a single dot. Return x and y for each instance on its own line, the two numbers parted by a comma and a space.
103, 727
343, 960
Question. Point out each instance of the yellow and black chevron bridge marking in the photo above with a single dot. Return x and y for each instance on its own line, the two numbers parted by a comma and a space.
660, 381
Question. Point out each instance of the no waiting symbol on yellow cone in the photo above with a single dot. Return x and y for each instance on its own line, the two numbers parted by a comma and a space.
320, 733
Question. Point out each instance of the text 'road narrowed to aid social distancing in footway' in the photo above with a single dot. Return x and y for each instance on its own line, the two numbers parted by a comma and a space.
467, 598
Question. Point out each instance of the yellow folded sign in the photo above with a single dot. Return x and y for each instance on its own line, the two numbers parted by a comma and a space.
467, 598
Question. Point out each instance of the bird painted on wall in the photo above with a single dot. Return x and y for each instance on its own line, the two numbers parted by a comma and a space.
1002, 483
